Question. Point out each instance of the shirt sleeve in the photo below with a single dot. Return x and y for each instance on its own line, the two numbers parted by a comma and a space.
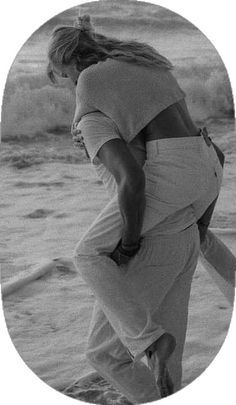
96, 129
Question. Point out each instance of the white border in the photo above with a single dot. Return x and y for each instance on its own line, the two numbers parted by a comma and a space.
19, 19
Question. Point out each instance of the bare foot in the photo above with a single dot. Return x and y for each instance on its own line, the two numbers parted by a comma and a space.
158, 354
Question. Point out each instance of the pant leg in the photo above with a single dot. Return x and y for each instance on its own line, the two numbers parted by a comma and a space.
131, 295
173, 314
106, 353
167, 305
126, 312
220, 263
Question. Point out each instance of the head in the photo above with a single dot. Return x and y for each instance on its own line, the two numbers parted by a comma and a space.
73, 49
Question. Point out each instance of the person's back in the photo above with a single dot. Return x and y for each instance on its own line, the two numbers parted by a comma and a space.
173, 122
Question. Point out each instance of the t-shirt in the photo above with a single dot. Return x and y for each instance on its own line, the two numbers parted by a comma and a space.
130, 95
96, 129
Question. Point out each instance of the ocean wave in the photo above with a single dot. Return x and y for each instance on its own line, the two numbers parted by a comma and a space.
33, 111
23, 155
208, 92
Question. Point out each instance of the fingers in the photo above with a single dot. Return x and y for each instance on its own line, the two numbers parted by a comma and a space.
74, 129
76, 134
119, 258
76, 138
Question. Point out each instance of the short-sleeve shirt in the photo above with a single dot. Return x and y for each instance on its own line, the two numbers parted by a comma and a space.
96, 129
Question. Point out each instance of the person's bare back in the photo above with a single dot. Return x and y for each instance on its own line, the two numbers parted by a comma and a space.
174, 121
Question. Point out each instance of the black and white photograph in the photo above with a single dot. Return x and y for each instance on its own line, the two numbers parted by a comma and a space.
118, 196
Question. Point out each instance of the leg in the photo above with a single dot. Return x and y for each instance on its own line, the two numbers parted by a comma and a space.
117, 297
174, 317
215, 256
111, 359
129, 294
158, 355
130, 307
220, 263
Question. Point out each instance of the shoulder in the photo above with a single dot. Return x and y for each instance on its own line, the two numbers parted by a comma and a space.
97, 75
85, 80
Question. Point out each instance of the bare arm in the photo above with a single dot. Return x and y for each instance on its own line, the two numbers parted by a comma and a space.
130, 180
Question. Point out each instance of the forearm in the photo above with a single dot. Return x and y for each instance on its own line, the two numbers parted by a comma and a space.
132, 206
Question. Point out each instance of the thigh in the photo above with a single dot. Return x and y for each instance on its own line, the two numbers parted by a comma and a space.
157, 267
173, 314
104, 233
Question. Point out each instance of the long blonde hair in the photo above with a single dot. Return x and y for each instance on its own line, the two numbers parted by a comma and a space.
82, 45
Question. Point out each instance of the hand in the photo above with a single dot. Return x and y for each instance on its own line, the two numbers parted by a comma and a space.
76, 135
121, 255
74, 129
77, 138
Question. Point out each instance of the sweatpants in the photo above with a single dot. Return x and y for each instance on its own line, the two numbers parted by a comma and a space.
138, 302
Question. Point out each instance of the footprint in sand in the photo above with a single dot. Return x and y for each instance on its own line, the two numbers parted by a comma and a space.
39, 213
222, 307
62, 215
3, 205
23, 184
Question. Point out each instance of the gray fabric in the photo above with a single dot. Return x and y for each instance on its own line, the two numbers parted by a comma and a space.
148, 296
130, 95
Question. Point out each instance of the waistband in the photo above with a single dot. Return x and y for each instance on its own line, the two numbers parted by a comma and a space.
166, 144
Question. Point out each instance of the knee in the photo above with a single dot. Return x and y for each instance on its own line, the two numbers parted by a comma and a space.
91, 357
83, 248
96, 358
101, 358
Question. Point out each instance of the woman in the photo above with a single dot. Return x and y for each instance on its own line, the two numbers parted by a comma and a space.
140, 254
